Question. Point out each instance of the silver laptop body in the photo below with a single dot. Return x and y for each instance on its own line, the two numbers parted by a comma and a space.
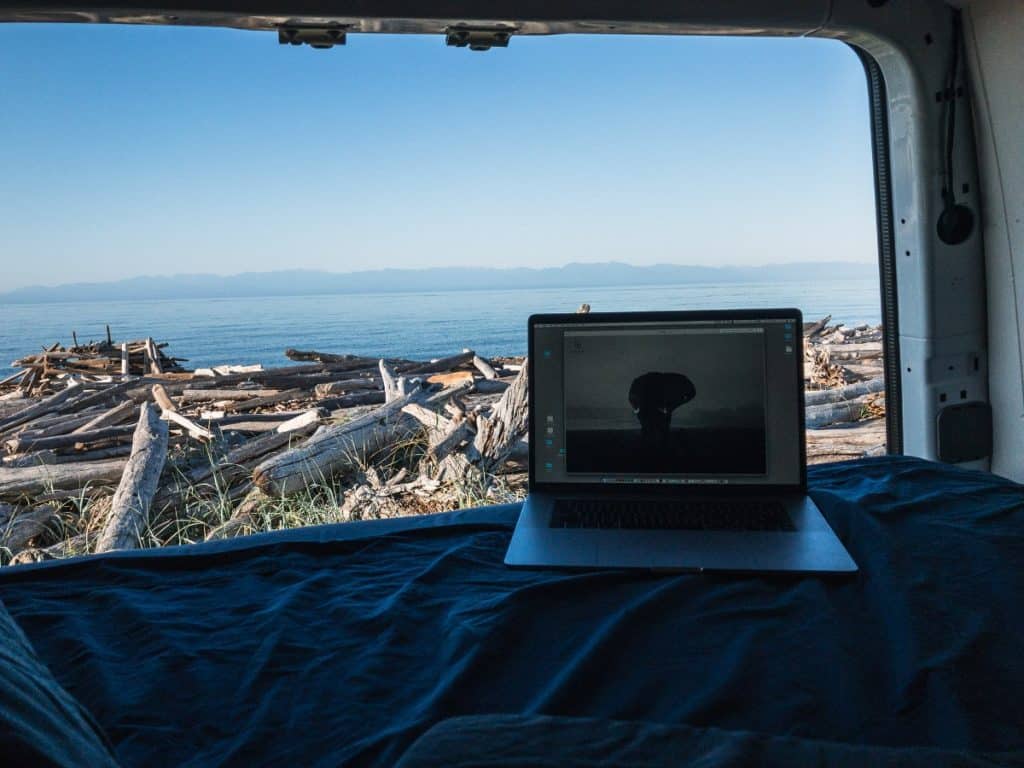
670, 441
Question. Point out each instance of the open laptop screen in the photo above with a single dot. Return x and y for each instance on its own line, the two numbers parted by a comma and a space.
667, 402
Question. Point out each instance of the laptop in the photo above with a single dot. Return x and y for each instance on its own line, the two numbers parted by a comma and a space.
670, 441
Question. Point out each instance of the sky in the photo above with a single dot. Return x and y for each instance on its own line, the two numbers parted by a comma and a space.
128, 151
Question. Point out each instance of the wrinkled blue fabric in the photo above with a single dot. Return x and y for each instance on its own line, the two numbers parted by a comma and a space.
339, 646
543, 741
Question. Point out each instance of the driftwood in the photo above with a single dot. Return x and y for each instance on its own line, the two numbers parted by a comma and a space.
33, 459
319, 357
497, 434
484, 367
194, 395
242, 517
65, 548
21, 443
95, 454
55, 425
437, 366
841, 394
813, 329
252, 450
36, 481
25, 526
832, 413
854, 350
347, 385
490, 386
48, 405
110, 417
389, 380
353, 400
334, 449
260, 402
129, 513
170, 413
852, 441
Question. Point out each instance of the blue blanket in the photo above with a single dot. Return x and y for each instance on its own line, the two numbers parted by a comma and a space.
341, 645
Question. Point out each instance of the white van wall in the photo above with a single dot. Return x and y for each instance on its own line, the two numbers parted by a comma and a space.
994, 31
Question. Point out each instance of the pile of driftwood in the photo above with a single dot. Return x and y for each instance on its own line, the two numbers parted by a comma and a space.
844, 391
113, 462
94, 459
43, 371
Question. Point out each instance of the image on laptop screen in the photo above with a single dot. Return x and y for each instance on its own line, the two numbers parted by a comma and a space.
667, 402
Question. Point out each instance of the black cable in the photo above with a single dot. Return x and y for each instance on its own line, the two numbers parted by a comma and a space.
956, 222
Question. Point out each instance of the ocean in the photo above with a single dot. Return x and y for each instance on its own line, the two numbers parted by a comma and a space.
412, 325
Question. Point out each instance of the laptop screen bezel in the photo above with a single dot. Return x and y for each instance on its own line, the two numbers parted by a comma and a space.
677, 316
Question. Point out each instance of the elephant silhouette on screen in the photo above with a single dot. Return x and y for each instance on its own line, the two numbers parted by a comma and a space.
653, 397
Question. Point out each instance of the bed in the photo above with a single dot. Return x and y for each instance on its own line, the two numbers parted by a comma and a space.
344, 645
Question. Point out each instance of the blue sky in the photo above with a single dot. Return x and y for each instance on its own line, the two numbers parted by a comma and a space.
142, 150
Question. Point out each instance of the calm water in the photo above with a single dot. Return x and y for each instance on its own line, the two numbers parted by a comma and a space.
414, 325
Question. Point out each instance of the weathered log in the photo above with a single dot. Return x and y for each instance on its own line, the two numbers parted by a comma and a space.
484, 367
129, 513
854, 372
241, 518
162, 399
53, 426
308, 419
251, 450
351, 401
252, 425
850, 441
33, 481
334, 449
439, 365
194, 395
21, 443
450, 379
813, 329
389, 380
492, 386
347, 385
33, 459
66, 548
101, 395
833, 413
260, 402
110, 452
319, 357
841, 394
437, 426
497, 434
153, 357
25, 526
227, 370
854, 350
170, 413
47, 405
12, 378
109, 418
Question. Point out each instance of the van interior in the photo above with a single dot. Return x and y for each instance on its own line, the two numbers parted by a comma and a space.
407, 642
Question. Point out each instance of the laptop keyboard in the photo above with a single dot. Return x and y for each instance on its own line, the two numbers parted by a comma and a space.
707, 515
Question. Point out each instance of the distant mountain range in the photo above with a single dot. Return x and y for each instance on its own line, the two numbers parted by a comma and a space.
309, 283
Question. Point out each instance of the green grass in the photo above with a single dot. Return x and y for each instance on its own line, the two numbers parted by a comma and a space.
202, 507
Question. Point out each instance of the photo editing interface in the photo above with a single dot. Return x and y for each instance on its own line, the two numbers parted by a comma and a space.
688, 402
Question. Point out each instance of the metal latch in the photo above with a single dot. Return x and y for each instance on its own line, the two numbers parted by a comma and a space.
315, 37
478, 38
